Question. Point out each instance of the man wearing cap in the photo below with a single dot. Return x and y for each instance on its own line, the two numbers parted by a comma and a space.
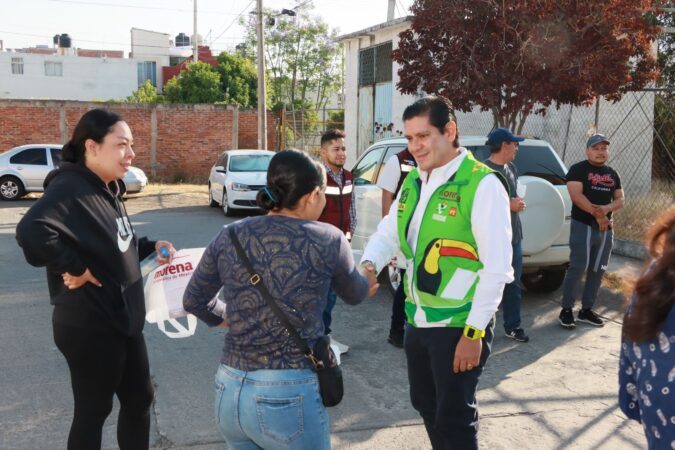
451, 222
595, 190
503, 147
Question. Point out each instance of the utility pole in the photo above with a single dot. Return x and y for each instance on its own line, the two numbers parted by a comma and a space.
262, 95
195, 52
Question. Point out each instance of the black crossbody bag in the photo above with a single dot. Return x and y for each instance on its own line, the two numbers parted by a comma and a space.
321, 356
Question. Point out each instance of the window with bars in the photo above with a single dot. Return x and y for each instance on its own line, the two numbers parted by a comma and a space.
375, 64
147, 71
17, 66
53, 69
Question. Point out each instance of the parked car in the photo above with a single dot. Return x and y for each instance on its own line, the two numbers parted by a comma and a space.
23, 169
546, 220
236, 178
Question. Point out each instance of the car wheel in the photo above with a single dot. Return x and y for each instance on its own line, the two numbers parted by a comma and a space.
11, 188
543, 280
226, 207
212, 202
390, 277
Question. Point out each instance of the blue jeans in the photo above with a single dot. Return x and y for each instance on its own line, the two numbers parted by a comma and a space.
271, 409
512, 292
331, 299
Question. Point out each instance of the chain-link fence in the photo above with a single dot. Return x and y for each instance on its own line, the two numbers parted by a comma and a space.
641, 131
302, 129
640, 127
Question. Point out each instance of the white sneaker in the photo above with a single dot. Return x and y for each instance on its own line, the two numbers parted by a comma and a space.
340, 346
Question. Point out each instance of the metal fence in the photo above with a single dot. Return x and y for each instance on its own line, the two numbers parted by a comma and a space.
641, 129
302, 129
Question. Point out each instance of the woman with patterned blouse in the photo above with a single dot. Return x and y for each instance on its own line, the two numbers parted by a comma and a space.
647, 367
267, 395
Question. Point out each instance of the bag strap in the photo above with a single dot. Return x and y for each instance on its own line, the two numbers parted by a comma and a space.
256, 281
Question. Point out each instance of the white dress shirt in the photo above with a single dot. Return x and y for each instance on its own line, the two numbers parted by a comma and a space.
491, 227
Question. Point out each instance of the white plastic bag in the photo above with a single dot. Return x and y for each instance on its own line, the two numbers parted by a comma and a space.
164, 290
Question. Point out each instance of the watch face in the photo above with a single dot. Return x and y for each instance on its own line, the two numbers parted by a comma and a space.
471, 333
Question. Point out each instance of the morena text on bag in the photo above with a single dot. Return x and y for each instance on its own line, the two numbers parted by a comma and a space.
174, 269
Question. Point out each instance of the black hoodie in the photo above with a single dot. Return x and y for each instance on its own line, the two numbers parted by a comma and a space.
81, 223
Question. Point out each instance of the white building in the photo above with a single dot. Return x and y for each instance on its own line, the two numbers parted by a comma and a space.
371, 99
152, 48
66, 77
370, 84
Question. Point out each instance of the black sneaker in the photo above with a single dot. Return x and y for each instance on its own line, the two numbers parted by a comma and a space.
517, 335
591, 318
566, 318
396, 338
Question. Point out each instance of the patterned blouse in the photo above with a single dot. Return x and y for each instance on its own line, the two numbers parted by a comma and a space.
647, 384
298, 260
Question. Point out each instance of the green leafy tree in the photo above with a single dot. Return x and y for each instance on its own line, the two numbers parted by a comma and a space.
198, 83
304, 64
146, 93
239, 79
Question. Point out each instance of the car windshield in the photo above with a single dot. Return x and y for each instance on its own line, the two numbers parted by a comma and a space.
530, 160
249, 163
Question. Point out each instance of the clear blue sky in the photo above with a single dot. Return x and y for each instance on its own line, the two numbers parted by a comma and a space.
106, 24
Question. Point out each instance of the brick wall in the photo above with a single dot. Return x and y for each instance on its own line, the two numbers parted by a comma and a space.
170, 141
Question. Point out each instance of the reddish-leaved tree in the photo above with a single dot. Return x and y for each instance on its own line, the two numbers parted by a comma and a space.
516, 57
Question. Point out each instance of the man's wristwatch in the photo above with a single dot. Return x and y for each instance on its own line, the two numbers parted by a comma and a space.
473, 334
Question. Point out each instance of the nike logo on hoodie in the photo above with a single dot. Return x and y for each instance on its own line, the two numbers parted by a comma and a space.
124, 234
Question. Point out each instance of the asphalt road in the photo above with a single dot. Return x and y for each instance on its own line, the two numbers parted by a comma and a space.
557, 391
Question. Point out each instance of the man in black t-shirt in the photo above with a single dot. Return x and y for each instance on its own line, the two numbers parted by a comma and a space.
595, 190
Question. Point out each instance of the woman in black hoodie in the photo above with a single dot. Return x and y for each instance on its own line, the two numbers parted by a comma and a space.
80, 231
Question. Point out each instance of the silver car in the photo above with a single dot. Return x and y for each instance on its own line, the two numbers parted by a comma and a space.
23, 169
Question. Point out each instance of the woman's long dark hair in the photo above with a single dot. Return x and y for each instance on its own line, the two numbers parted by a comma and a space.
94, 125
291, 174
655, 289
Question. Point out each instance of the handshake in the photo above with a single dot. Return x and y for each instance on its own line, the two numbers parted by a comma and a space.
367, 269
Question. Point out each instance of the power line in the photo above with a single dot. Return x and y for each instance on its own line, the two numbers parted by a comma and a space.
97, 41
127, 5
233, 21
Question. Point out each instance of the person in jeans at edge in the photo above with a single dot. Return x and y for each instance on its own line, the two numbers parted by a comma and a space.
266, 392
390, 181
503, 148
80, 231
646, 370
340, 209
452, 223
595, 190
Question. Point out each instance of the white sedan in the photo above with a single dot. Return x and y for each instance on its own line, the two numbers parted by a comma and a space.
23, 169
236, 178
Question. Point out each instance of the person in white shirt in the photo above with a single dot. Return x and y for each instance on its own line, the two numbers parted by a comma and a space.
390, 181
458, 259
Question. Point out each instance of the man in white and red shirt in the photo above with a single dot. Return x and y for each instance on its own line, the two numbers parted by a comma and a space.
340, 209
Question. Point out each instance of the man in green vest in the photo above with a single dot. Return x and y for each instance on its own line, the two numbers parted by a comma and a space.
452, 223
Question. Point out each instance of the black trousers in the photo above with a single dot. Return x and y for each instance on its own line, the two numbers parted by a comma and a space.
104, 364
398, 318
445, 400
